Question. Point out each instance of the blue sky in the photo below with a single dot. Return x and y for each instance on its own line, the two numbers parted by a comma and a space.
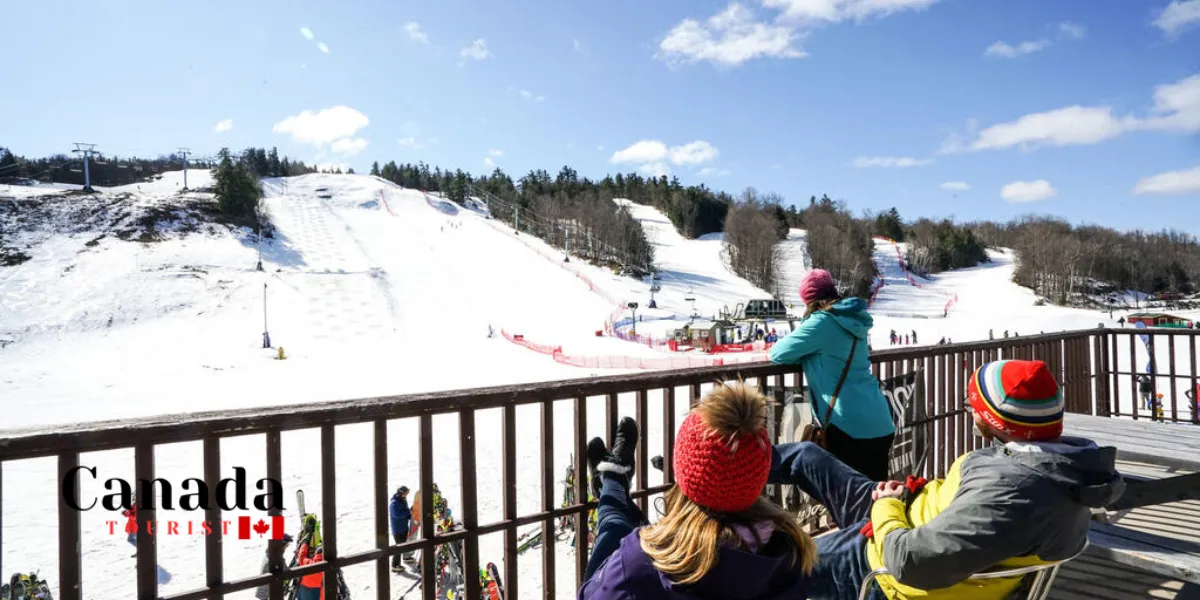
1089, 110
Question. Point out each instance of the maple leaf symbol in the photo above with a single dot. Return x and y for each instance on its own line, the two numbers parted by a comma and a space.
261, 527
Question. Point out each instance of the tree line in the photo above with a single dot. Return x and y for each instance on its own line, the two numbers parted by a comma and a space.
1069, 264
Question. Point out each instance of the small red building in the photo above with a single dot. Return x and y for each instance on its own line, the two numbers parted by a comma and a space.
1157, 320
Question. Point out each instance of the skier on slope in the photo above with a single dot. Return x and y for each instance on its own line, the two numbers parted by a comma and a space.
400, 516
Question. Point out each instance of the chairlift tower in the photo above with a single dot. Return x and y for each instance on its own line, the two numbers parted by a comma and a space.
185, 152
691, 297
87, 150
654, 287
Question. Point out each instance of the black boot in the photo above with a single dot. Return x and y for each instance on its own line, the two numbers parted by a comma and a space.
597, 452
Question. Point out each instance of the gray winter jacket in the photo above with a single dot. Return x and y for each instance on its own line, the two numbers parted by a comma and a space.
1005, 506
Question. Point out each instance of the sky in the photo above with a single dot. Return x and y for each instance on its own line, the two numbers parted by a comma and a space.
970, 109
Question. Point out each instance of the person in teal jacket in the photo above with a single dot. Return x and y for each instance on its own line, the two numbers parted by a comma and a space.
860, 430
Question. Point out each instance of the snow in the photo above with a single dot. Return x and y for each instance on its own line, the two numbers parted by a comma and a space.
903, 295
372, 290
794, 265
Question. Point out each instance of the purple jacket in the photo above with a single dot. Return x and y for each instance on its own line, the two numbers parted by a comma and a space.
630, 574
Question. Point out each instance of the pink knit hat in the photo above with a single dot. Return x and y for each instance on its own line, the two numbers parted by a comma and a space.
817, 285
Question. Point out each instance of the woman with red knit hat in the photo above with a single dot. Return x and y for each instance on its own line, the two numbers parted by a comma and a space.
719, 537
831, 344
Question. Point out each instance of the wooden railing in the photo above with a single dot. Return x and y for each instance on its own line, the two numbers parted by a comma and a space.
1091, 366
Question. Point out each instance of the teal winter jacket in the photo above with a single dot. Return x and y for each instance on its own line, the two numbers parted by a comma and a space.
820, 345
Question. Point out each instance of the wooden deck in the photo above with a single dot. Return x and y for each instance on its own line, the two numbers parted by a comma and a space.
1091, 577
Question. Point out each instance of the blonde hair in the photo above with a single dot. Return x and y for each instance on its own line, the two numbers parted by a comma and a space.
686, 543
822, 304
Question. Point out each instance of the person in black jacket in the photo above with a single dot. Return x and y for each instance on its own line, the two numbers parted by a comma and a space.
400, 516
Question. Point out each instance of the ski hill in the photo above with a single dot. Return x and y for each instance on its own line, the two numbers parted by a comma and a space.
903, 294
794, 265
691, 267
135, 301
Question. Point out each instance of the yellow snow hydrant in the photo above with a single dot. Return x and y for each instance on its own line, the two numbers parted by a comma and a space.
281, 355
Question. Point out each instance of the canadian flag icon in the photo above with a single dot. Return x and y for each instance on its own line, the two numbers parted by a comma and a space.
261, 527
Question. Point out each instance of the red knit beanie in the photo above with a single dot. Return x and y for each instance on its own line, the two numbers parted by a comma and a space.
724, 473
817, 285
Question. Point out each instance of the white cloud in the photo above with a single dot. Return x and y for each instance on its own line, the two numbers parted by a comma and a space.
532, 96
225, 125
647, 152
1178, 16
1067, 31
476, 51
324, 126
307, 33
322, 47
349, 146
413, 29
495, 153
1020, 192
600, 147
643, 151
1186, 181
897, 162
1006, 50
692, 153
411, 142
955, 186
836, 11
1176, 106
1071, 30
712, 172
728, 38
577, 46
1176, 109
488, 162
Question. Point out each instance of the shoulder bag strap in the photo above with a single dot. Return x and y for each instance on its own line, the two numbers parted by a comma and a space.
841, 381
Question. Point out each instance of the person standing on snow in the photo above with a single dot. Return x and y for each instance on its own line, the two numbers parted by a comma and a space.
830, 343
719, 537
400, 516
131, 525
264, 591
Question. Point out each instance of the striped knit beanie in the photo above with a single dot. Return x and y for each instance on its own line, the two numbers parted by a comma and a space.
1018, 397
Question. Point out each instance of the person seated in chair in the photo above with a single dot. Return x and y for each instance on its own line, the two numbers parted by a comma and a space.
1022, 501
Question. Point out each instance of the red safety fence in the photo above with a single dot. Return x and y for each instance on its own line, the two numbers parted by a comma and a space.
520, 340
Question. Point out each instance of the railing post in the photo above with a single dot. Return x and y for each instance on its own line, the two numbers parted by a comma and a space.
428, 587
383, 526
147, 547
329, 507
467, 478
508, 474
214, 565
548, 538
643, 463
70, 580
581, 489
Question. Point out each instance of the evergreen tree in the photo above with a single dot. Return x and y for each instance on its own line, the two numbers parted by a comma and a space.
273, 166
375, 168
889, 225
236, 187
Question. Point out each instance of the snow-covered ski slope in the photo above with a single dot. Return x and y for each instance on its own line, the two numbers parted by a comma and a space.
371, 290
691, 266
903, 294
793, 266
